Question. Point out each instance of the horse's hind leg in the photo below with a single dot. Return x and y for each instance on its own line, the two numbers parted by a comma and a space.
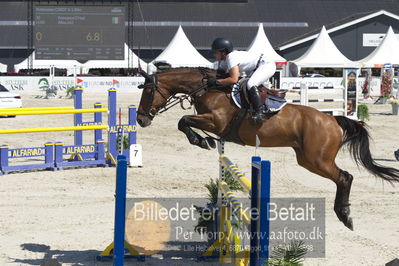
323, 164
341, 205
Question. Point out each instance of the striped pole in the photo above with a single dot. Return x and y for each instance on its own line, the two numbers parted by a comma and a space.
233, 199
235, 172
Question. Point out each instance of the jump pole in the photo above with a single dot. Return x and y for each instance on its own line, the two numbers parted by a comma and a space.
120, 210
116, 250
257, 220
54, 112
78, 127
77, 118
129, 128
51, 129
260, 200
37, 108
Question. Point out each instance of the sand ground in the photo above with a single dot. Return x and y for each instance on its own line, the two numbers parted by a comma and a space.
68, 215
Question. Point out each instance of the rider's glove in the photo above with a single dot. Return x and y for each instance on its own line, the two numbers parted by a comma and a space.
212, 82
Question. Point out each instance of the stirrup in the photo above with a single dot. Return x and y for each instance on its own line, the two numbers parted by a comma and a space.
258, 117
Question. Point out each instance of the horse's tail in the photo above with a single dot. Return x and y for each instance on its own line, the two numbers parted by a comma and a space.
357, 138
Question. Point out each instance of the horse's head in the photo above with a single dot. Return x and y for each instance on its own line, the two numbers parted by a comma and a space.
158, 89
152, 99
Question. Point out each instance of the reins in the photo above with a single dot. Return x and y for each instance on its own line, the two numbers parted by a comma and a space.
170, 101
174, 100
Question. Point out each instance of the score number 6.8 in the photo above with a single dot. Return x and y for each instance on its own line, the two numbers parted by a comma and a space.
93, 36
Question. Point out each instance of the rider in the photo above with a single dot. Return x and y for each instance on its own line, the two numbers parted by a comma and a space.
258, 69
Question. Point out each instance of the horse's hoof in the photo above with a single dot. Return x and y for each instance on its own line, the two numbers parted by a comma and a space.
204, 144
349, 223
211, 142
343, 215
194, 141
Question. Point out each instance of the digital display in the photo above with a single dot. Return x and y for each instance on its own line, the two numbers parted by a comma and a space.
79, 32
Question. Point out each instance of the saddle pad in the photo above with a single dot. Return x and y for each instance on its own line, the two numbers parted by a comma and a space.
272, 103
235, 94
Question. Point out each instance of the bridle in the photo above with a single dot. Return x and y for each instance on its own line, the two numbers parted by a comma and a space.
150, 95
170, 100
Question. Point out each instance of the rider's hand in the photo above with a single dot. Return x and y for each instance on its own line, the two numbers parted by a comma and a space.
212, 82
221, 74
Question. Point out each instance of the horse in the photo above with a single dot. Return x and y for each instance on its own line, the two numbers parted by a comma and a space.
316, 137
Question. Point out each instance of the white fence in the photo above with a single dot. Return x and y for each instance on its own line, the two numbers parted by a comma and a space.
290, 83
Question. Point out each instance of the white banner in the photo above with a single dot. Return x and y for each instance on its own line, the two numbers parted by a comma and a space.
374, 39
289, 83
26, 84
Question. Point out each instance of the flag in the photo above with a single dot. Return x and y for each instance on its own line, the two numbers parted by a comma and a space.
115, 82
115, 20
79, 80
257, 141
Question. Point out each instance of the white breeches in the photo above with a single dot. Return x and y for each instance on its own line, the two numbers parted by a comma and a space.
262, 74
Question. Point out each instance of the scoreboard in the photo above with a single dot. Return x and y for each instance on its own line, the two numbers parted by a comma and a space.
79, 32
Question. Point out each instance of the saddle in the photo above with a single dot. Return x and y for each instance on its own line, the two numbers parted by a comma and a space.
277, 95
273, 101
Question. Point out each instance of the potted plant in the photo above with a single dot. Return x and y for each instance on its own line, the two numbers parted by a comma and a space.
395, 106
363, 112
207, 224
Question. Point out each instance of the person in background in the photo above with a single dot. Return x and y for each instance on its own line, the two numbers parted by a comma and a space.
256, 68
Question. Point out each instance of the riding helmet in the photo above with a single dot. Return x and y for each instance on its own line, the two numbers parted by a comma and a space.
222, 44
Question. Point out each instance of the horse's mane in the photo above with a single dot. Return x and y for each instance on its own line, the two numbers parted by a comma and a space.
201, 69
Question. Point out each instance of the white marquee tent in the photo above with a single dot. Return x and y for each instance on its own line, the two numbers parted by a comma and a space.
129, 55
3, 68
70, 65
386, 53
261, 45
181, 53
324, 53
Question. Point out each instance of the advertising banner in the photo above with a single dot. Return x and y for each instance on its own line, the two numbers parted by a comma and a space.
366, 85
290, 83
386, 81
351, 91
29, 85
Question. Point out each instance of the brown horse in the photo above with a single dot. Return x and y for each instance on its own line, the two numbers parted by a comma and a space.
315, 137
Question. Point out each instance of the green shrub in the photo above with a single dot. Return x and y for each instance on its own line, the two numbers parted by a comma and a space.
363, 112
292, 255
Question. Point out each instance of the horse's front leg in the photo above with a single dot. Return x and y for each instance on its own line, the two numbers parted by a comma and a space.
203, 122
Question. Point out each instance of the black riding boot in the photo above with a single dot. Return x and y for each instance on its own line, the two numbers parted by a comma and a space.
256, 102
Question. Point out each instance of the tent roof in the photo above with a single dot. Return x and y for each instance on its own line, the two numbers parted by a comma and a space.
261, 45
41, 64
180, 52
324, 53
129, 55
386, 52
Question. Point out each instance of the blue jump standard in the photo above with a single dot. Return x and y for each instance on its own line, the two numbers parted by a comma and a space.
79, 154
